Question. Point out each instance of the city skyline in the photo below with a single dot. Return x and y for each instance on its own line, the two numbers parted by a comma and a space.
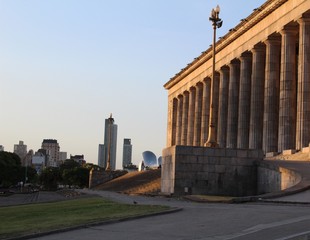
65, 65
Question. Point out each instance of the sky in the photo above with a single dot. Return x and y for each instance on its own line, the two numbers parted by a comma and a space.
65, 65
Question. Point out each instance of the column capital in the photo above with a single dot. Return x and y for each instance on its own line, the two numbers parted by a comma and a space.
224, 69
304, 20
245, 56
185, 93
206, 80
233, 63
273, 39
198, 85
191, 89
289, 29
260, 47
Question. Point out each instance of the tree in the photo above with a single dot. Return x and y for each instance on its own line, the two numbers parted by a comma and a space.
32, 176
10, 169
77, 176
68, 164
50, 178
69, 173
81, 176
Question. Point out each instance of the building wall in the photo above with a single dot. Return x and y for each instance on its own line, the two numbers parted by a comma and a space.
214, 171
264, 62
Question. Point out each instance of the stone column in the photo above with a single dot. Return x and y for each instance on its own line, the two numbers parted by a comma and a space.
257, 97
185, 118
198, 110
191, 115
216, 101
170, 120
233, 102
205, 110
173, 125
179, 120
223, 102
244, 100
303, 94
272, 86
287, 104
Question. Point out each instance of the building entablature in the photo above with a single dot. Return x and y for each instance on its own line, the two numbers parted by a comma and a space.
265, 21
260, 88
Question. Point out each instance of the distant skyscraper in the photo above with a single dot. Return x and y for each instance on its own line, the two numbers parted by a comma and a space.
52, 148
127, 152
21, 150
101, 154
27, 160
108, 149
62, 156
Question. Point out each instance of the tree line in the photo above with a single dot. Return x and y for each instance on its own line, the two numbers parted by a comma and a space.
68, 174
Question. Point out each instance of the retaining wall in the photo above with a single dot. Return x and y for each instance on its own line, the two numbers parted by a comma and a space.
273, 178
213, 171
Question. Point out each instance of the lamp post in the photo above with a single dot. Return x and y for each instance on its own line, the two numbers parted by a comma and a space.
111, 121
216, 23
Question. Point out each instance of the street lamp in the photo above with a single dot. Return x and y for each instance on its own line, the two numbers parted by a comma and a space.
216, 23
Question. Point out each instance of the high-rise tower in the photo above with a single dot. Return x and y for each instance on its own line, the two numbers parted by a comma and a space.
52, 148
21, 150
127, 152
107, 151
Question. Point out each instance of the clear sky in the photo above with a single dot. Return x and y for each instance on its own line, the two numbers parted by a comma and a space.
65, 65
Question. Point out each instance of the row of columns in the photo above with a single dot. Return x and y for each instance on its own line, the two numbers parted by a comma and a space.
262, 98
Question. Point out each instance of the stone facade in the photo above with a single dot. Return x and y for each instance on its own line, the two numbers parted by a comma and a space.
260, 105
215, 171
262, 84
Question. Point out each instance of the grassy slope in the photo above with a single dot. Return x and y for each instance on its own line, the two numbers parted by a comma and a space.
35, 218
135, 183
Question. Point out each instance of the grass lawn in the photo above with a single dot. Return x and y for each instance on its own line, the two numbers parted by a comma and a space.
41, 217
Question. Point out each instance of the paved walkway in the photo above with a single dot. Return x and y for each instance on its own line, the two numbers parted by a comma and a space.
201, 222
302, 197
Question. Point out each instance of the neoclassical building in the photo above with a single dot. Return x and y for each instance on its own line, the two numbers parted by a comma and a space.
261, 85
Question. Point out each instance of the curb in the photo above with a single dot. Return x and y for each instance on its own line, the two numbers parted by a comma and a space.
257, 198
202, 200
93, 224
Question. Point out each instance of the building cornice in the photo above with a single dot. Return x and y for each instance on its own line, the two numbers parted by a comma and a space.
234, 33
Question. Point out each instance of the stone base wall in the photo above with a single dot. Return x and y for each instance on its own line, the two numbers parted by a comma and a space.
273, 178
213, 171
